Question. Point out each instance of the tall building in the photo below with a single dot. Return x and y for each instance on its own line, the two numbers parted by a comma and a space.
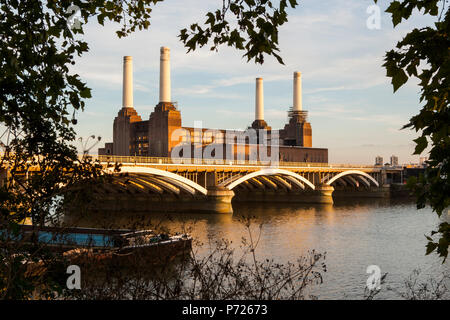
378, 161
423, 160
394, 160
163, 131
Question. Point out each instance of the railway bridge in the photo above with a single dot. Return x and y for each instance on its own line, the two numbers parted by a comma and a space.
200, 185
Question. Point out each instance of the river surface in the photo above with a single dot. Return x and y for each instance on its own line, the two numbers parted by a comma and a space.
354, 234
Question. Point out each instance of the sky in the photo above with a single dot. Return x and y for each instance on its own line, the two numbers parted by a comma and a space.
352, 108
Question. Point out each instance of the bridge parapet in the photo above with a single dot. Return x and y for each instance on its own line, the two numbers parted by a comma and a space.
195, 161
139, 160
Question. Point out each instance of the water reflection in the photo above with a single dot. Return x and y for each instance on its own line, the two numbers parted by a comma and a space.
354, 233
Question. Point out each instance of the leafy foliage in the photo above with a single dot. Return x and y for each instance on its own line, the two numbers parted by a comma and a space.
253, 30
425, 54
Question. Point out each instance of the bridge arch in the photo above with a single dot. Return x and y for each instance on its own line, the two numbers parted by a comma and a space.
353, 172
268, 172
174, 178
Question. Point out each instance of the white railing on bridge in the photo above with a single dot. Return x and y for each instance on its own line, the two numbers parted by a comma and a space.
163, 160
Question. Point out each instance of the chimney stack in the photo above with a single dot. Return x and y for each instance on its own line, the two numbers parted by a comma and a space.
259, 101
127, 93
164, 75
297, 91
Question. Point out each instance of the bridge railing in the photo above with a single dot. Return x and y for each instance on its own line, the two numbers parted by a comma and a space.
163, 160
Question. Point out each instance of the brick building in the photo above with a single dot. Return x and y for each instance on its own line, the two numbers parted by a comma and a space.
163, 131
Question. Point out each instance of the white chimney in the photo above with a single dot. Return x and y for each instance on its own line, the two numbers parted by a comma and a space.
297, 91
259, 100
127, 93
164, 75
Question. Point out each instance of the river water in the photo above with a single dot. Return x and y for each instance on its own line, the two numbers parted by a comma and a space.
354, 234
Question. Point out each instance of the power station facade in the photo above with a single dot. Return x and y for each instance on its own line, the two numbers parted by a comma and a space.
163, 131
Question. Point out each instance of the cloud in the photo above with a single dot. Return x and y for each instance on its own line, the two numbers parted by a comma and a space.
234, 114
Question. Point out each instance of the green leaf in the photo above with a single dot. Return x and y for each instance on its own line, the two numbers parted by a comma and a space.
421, 144
86, 93
431, 246
399, 79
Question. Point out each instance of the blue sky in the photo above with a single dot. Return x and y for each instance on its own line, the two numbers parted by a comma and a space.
352, 108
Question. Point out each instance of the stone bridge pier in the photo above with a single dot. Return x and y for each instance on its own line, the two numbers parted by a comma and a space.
218, 200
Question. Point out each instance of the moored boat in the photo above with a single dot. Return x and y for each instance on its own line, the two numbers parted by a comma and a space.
80, 245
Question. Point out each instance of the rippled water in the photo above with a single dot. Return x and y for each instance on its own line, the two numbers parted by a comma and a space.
354, 234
